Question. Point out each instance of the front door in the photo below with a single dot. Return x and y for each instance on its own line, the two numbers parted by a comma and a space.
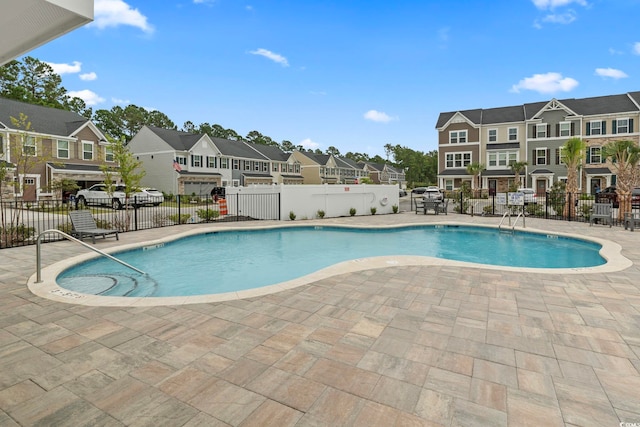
493, 185
541, 186
596, 185
29, 189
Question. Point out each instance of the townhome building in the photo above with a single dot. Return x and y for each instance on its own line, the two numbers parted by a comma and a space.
40, 146
285, 169
534, 133
384, 173
328, 169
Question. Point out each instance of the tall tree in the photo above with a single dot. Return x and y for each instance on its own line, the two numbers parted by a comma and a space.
333, 150
624, 156
571, 154
126, 122
475, 169
287, 146
517, 168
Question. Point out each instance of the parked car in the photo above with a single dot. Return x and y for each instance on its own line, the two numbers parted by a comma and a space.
609, 195
419, 190
530, 196
154, 197
403, 192
433, 193
97, 195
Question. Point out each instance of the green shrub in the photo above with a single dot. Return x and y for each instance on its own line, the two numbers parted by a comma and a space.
320, 213
487, 210
352, 211
208, 214
180, 219
373, 210
395, 208
292, 216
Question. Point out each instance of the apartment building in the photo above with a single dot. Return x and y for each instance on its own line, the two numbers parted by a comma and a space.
534, 133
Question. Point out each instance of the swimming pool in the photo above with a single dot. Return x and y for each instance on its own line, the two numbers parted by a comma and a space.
231, 261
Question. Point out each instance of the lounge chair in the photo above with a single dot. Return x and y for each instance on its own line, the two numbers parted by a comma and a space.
602, 211
431, 205
84, 225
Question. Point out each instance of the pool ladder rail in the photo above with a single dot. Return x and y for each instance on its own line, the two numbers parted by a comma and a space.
73, 239
508, 213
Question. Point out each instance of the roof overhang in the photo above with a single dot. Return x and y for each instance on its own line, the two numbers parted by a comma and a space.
27, 24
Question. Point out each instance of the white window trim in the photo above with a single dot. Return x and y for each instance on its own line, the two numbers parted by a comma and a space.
546, 160
182, 160
618, 127
84, 144
107, 154
497, 153
35, 146
458, 132
599, 122
489, 135
541, 126
58, 149
509, 134
560, 128
454, 153
591, 162
195, 157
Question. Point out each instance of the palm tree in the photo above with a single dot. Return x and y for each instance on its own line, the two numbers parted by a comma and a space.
624, 156
571, 154
517, 168
475, 169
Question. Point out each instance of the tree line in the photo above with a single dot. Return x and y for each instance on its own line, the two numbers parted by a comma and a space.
35, 82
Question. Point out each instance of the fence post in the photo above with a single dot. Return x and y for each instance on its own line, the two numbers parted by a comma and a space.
179, 213
135, 213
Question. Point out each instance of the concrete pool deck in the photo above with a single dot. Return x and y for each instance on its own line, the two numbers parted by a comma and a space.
433, 344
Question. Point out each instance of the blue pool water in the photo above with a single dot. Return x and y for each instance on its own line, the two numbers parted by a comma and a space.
228, 261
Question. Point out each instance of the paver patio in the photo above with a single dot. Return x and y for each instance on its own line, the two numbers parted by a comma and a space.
397, 345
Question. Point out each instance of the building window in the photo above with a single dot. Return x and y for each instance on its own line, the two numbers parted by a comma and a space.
265, 167
196, 160
458, 160
274, 167
63, 149
297, 168
595, 155
596, 128
493, 135
87, 150
513, 134
502, 159
541, 130
236, 164
182, 161
541, 156
247, 165
29, 148
458, 137
448, 184
622, 125
256, 166
565, 129
211, 162
108, 154
224, 163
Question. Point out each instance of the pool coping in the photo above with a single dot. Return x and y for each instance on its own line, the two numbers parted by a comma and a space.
49, 289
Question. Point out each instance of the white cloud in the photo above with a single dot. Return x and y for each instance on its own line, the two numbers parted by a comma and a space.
120, 101
90, 98
636, 48
275, 57
546, 83
552, 4
113, 13
611, 72
309, 144
203, 1
88, 76
378, 116
66, 68
561, 18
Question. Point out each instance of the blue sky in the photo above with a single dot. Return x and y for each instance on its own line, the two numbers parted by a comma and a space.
353, 74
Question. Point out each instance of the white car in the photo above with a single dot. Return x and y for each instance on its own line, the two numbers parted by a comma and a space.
433, 193
154, 197
97, 195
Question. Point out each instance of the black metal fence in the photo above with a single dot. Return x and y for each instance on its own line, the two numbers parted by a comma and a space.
549, 205
21, 222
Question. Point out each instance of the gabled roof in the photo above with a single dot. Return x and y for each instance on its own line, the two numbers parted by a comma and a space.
237, 149
601, 105
346, 163
473, 116
270, 152
320, 159
178, 140
44, 120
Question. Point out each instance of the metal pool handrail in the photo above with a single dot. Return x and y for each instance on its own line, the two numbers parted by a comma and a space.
73, 239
